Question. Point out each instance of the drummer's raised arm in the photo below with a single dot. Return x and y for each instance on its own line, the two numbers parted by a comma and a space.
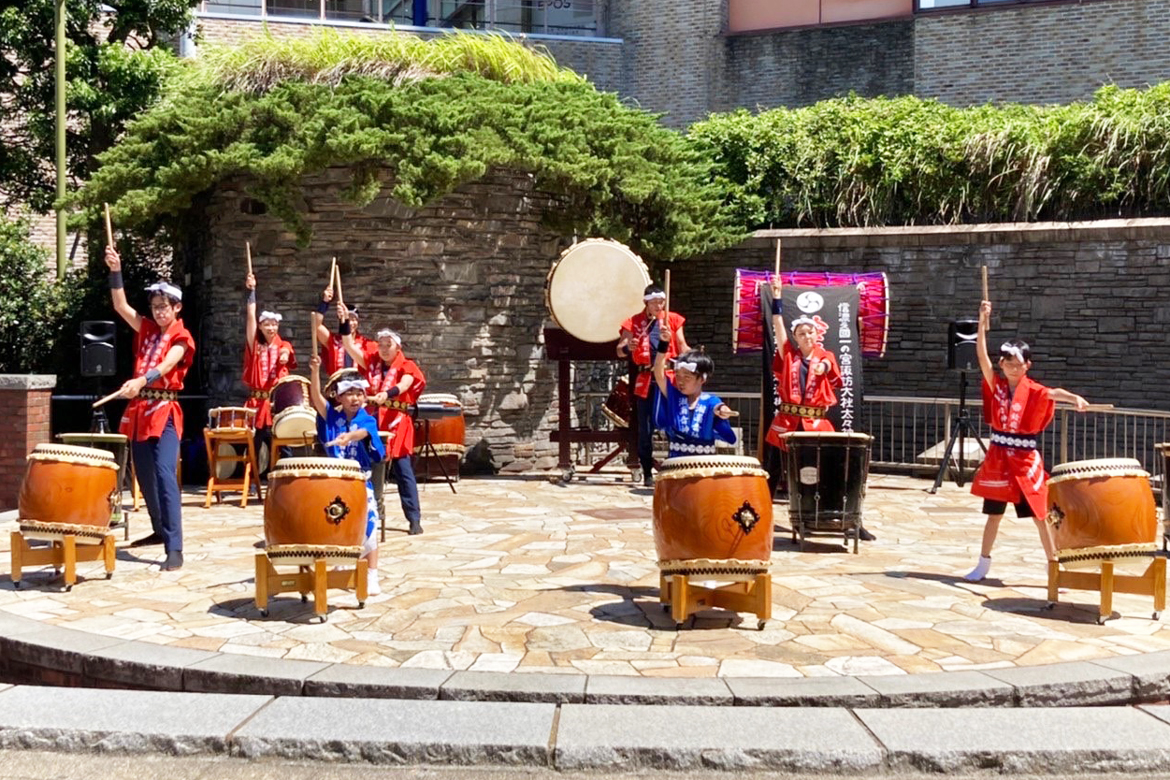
778, 328
352, 350
315, 396
250, 312
660, 361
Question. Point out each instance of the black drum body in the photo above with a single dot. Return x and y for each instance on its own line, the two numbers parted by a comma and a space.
826, 474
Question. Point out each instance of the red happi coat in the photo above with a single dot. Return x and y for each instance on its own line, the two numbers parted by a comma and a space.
262, 370
1008, 473
395, 421
817, 391
146, 418
639, 327
333, 356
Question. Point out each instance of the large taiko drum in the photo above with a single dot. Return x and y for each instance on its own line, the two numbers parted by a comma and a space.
315, 508
1102, 510
873, 307
70, 487
826, 475
293, 416
713, 515
443, 415
594, 287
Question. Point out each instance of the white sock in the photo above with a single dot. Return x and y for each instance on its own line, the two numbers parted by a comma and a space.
372, 586
980, 570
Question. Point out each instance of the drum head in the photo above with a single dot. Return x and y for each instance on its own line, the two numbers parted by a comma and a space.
294, 423
594, 287
226, 469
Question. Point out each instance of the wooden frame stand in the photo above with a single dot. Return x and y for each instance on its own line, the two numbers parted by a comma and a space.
315, 578
216, 486
63, 554
1152, 582
683, 598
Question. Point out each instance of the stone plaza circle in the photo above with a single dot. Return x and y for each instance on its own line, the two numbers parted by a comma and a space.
526, 577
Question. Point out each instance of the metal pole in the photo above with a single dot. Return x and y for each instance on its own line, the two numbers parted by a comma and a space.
62, 243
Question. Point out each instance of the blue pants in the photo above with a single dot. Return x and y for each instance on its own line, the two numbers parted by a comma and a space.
644, 412
156, 462
402, 472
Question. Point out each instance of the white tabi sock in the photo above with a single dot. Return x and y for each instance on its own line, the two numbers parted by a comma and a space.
980, 570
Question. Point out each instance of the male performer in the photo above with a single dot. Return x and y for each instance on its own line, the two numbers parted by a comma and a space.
346, 430
691, 419
1017, 409
395, 383
638, 343
153, 420
267, 359
333, 352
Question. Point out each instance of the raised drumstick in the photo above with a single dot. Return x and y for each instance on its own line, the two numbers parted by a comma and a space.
340, 298
985, 284
109, 227
248, 252
332, 273
776, 274
313, 330
666, 305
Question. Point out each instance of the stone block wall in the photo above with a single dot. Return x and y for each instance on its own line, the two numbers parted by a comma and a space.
1092, 299
24, 423
461, 280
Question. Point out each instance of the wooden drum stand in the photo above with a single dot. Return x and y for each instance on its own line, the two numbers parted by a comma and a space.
314, 577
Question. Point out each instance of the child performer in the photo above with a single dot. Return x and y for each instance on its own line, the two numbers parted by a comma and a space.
691, 418
395, 382
639, 339
1017, 409
267, 359
348, 431
153, 420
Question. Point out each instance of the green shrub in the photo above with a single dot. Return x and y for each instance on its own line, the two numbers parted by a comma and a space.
31, 305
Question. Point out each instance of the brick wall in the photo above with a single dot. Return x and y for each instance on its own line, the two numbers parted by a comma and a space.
461, 280
24, 423
1093, 300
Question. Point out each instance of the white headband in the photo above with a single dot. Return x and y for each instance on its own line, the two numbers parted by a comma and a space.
1012, 349
345, 385
166, 289
386, 333
654, 296
687, 366
802, 320
270, 315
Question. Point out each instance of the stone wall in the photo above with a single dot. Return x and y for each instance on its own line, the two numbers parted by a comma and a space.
461, 280
24, 423
599, 60
1093, 300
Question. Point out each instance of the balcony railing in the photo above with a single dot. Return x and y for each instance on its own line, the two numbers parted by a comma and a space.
539, 17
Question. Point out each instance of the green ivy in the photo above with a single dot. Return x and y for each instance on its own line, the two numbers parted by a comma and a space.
900, 161
31, 306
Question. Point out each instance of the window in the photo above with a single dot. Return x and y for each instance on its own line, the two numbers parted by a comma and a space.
752, 15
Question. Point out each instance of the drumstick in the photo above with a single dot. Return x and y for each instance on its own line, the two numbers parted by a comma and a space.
340, 299
666, 304
313, 330
248, 252
776, 276
985, 284
109, 227
108, 398
332, 273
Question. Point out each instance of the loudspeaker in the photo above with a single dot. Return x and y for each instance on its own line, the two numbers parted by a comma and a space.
98, 352
961, 340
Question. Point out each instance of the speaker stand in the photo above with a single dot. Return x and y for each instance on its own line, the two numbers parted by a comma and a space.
98, 422
963, 428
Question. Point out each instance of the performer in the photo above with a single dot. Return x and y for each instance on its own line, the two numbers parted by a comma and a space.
806, 375
692, 419
334, 356
1017, 409
639, 340
153, 420
267, 359
346, 430
395, 382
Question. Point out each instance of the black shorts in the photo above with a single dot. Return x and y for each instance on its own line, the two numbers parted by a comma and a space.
1023, 509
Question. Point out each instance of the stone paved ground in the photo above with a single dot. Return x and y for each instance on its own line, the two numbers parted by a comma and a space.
525, 575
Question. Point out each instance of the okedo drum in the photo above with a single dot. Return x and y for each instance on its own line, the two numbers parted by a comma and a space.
826, 474
315, 508
293, 417
230, 417
69, 485
618, 406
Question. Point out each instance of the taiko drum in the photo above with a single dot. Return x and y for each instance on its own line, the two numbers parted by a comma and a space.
315, 502
712, 507
70, 485
448, 432
1101, 510
230, 417
292, 415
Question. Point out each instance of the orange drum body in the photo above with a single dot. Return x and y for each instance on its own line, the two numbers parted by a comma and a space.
1102, 510
315, 508
69, 485
713, 515
448, 432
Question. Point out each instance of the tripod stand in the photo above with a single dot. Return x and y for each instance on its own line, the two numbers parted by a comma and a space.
963, 428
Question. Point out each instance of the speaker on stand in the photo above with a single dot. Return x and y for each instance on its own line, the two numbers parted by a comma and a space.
98, 359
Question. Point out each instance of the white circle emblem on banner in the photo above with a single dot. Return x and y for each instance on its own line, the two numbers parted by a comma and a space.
810, 302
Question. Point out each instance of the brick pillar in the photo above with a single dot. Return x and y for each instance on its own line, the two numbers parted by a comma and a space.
24, 423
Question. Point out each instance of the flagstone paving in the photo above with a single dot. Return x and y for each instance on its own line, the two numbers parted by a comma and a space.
526, 575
